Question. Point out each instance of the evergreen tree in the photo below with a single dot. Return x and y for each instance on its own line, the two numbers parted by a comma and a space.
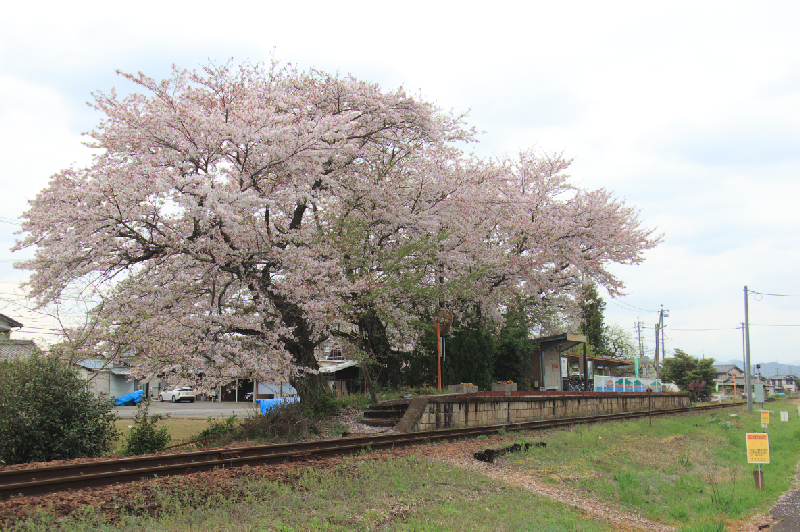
514, 348
683, 369
470, 356
593, 308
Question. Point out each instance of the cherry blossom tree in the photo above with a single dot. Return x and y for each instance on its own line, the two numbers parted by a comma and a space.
235, 217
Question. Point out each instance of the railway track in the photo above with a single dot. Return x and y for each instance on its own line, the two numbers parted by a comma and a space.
48, 479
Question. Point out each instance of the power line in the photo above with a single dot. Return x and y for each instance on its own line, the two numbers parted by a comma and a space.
723, 329
621, 303
774, 295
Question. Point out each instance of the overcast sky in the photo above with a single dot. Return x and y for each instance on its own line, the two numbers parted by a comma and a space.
689, 111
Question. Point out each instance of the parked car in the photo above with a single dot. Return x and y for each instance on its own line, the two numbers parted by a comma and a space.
178, 393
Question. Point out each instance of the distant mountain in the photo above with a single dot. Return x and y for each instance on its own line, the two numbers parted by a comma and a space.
768, 369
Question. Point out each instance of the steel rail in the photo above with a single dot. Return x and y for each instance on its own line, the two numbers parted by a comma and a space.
48, 479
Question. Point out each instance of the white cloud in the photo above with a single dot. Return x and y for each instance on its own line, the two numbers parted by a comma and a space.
687, 110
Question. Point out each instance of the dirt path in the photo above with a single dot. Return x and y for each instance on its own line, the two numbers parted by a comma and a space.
459, 454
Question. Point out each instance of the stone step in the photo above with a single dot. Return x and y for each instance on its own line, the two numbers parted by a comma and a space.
380, 422
396, 406
384, 414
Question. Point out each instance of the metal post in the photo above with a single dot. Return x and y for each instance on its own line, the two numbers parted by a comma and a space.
760, 479
439, 353
663, 350
747, 380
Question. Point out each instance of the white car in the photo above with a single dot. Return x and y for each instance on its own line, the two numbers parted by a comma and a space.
178, 393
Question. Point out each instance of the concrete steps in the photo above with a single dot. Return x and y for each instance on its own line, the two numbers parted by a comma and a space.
386, 414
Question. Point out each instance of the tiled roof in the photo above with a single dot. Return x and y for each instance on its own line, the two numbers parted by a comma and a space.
725, 368
16, 349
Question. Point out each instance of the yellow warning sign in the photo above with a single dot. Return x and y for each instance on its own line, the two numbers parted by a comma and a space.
757, 448
765, 416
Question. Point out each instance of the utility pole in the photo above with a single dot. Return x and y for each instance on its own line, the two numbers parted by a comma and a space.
639, 334
655, 354
744, 362
660, 326
748, 383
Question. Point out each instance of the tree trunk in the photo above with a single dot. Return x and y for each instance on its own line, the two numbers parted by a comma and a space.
310, 386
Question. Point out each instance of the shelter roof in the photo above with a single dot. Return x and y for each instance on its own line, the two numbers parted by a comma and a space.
560, 341
601, 361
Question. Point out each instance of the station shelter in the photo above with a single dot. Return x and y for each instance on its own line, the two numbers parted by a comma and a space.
551, 364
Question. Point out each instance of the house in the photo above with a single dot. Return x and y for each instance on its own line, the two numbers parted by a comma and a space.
12, 349
343, 376
786, 382
104, 377
729, 378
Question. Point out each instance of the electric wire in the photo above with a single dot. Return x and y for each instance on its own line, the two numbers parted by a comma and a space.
774, 295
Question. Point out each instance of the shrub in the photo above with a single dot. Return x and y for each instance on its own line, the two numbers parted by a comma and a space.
219, 432
282, 421
145, 437
48, 413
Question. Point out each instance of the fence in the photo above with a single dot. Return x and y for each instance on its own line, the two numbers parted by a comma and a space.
626, 384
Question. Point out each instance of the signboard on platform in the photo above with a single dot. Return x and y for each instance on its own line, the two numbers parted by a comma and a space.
757, 448
626, 384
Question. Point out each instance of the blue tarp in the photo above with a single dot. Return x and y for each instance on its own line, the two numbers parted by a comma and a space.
267, 404
128, 397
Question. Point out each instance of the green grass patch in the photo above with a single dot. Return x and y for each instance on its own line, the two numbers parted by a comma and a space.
682, 470
179, 429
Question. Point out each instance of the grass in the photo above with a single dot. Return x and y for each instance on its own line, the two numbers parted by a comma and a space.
403, 494
684, 470
181, 429
687, 471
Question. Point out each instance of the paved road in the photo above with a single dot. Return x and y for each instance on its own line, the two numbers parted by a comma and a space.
198, 409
